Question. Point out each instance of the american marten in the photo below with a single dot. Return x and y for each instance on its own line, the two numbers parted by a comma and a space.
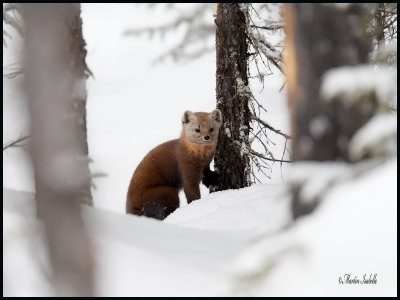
176, 164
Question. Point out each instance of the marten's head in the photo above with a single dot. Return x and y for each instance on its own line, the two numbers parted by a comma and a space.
201, 127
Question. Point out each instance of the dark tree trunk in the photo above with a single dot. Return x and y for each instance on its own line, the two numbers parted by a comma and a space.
320, 37
55, 85
232, 158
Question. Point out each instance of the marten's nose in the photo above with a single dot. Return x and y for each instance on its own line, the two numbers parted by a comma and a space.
207, 137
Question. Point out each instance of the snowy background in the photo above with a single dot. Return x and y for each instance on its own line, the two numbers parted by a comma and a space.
228, 243
133, 105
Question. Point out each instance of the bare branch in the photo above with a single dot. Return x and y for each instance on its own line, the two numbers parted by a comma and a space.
196, 30
275, 26
283, 154
252, 152
187, 18
10, 20
14, 68
257, 119
16, 143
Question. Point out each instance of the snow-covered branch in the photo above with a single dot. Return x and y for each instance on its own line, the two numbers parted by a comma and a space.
354, 84
262, 46
271, 26
377, 138
260, 43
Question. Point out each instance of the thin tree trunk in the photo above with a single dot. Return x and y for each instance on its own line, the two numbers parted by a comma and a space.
380, 23
55, 84
320, 37
232, 158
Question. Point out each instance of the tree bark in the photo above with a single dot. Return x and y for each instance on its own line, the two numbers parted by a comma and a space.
232, 156
55, 84
379, 17
321, 37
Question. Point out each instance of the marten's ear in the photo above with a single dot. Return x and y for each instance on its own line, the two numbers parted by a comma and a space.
187, 117
216, 115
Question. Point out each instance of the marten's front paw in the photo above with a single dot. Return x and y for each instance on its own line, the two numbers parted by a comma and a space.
209, 178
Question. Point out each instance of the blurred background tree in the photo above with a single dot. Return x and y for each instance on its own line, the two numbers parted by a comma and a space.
55, 83
335, 92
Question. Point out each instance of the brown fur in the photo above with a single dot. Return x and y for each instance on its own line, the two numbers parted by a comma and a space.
171, 166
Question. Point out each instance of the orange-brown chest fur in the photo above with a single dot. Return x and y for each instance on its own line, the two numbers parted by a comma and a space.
197, 153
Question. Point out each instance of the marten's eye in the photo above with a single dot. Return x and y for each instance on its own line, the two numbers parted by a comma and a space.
211, 129
197, 130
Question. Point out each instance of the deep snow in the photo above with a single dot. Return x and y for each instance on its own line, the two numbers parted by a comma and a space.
236, 242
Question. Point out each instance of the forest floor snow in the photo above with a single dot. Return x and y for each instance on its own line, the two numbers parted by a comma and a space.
230, 243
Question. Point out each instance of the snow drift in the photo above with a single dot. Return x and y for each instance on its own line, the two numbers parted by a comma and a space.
230, 243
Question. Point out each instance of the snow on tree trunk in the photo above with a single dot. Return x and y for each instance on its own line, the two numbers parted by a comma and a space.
321, 37
56, 88
232, 157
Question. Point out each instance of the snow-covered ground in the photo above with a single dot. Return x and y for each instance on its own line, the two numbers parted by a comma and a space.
227, 244
230, 243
